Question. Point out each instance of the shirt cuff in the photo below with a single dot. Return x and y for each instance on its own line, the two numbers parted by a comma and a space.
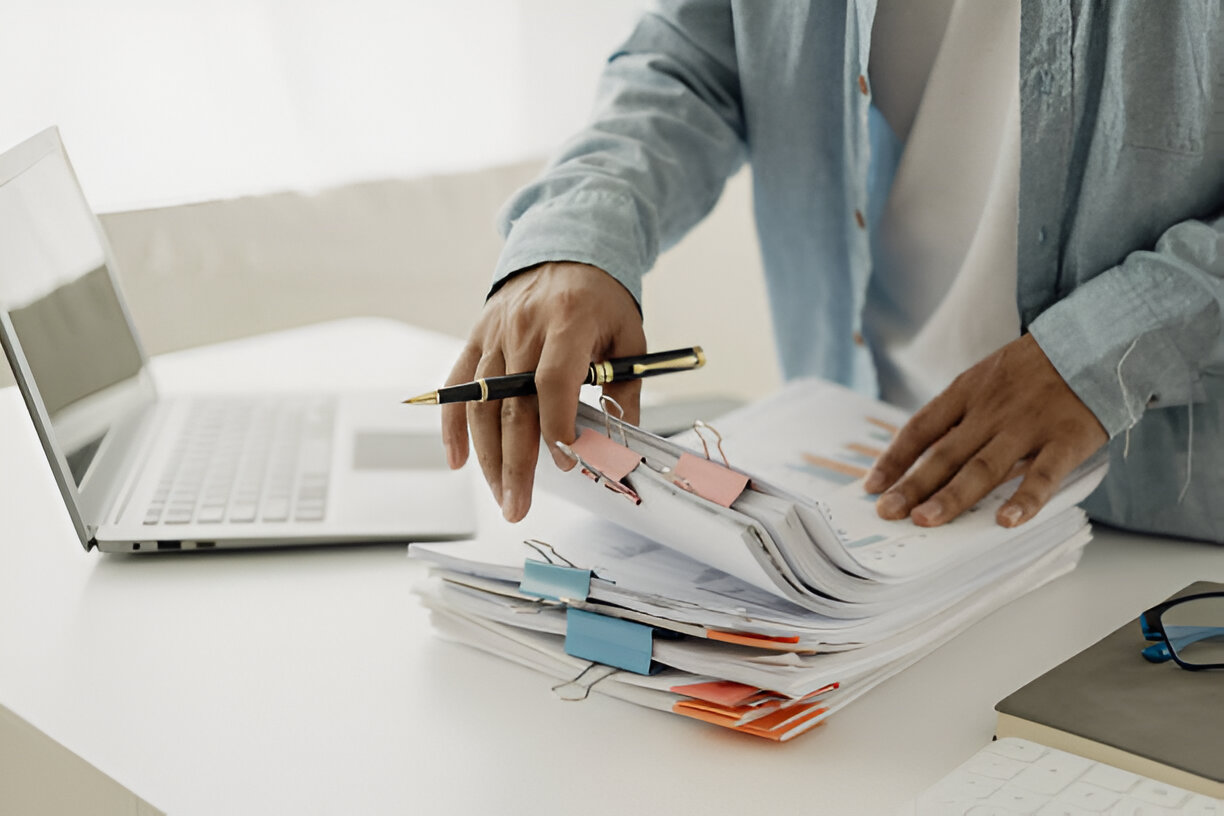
1114, 343
596, 228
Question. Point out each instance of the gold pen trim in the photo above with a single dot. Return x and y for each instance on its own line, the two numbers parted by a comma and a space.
484, 390
423, 399
694, 360
601, 373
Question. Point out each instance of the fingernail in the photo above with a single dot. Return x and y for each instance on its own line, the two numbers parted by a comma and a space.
874, 482
1010, 515
891, 506
929, 512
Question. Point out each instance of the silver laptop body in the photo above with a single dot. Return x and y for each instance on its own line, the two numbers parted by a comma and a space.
142, 473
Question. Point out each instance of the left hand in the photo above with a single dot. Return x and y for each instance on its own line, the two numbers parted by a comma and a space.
1011, 407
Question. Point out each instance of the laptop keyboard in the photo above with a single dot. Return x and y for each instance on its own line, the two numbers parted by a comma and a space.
249, 461
1017, 776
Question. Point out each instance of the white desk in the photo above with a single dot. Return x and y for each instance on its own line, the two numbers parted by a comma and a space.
309, 681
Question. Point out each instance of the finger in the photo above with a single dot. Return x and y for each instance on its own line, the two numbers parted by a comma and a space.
454, 414
563, 365
983, 472
520, 442
484, 422
927, 426
1044, 476
931, 472
627, 393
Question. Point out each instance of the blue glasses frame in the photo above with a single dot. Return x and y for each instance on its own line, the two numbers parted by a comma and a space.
1169, 640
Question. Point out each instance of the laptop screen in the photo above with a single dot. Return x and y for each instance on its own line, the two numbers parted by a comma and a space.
62, 305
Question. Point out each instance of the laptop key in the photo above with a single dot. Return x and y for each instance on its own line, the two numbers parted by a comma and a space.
276, 509
211, 513
243, 512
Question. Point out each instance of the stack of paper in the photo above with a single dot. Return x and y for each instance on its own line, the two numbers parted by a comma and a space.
759, 591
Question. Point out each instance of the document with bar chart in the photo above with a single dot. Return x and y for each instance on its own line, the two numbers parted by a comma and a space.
738, 573
817, 440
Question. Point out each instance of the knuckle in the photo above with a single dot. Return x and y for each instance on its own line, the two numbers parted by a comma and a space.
939, 459
1041, 477
983, 469
551, 378
518, 411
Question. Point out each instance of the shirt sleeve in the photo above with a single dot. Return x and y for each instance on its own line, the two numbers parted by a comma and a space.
1143, 334
666, 133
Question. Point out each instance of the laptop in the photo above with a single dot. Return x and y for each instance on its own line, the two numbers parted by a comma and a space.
142, 473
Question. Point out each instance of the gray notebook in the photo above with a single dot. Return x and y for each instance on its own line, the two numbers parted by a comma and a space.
1110, 704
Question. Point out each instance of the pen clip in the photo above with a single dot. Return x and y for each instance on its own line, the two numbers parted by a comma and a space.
695, 359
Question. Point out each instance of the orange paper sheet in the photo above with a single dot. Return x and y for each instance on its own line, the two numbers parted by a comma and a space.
774, 726
749, 639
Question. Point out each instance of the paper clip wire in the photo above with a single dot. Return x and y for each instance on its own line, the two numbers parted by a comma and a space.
604, 402
697, 426
539, 546
599, 476
561, 689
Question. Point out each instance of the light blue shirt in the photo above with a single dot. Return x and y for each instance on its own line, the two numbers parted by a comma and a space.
1120, 262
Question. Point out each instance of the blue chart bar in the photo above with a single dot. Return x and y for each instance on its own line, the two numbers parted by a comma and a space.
863, 542
882, 436
824, 473
862, 459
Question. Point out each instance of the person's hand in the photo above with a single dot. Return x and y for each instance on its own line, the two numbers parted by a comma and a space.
555, 319
1010, 412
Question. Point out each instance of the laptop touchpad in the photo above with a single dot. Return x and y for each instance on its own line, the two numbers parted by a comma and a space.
397, 450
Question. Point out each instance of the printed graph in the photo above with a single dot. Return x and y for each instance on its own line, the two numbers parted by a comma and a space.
853, 459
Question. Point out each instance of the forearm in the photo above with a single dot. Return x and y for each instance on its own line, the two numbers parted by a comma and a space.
666, 133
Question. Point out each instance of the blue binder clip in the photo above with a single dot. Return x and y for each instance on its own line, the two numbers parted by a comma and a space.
555, 582
611, 641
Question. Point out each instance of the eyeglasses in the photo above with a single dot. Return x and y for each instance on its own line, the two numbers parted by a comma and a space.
1189, 630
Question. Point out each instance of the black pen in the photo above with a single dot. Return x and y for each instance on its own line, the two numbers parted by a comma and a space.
521, 385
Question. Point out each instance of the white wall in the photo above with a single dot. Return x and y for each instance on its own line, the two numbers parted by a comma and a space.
170, 101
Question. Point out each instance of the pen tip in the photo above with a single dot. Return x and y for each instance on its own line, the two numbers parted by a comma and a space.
423, 399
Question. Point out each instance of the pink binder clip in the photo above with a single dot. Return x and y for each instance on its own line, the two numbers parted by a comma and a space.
602, 459
707, 478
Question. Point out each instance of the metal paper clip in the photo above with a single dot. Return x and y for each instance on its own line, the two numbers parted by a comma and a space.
598, 476
604, 402
540, 547
697, 426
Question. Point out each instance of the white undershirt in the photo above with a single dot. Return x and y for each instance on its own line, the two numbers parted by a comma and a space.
943, 291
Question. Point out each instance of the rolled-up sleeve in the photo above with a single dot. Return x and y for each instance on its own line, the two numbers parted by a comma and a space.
666, 133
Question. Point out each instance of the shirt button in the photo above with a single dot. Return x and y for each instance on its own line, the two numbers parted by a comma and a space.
858, 339
862, 83
858, 219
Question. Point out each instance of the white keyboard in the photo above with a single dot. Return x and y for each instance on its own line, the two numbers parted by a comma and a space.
247, 461
1012, 776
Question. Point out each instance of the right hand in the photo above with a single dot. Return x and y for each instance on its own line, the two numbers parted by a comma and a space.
555, 319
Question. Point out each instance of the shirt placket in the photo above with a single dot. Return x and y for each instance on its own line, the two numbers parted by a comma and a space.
1045, 150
